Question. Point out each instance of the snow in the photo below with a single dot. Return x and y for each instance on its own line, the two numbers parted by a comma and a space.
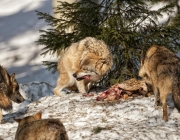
135, 118
19, 29
84, 117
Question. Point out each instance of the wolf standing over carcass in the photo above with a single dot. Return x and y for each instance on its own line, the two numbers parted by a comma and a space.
9, 90
82, 64
161, 68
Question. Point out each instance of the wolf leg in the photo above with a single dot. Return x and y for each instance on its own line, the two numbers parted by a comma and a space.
165, 112
62, 82
156, 94
163, 96
81, 86
157, 98
88, 86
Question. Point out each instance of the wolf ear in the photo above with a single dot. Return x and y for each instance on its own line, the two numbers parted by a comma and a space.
12, 77
38, 115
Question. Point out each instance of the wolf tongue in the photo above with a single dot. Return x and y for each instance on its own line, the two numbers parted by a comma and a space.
87, 77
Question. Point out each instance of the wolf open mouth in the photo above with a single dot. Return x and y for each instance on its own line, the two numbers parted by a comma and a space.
84, 77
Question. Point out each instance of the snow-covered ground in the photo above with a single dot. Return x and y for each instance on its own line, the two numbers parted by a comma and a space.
88, 119
84, 117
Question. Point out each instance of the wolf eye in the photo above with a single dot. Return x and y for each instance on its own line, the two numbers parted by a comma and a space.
95, 72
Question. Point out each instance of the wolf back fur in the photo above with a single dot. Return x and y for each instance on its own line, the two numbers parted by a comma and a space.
35, 128
161, 68
82, 64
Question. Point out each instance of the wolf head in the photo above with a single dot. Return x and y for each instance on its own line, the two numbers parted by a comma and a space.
143, 73
10, 86
92, 68
29, 119
13, 90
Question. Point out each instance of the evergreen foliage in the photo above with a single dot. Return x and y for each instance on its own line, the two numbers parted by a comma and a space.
129, 28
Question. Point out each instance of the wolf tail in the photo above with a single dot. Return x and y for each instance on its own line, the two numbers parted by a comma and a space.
176, 93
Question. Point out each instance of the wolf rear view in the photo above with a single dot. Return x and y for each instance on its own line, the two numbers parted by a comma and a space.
9, 90
35, 128
161, 68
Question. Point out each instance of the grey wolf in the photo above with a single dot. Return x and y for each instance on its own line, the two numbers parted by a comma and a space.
82, 64
35, 128
161, 69
9, 91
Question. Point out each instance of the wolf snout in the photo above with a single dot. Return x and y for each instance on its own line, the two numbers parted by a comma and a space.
75, 75
19, 99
